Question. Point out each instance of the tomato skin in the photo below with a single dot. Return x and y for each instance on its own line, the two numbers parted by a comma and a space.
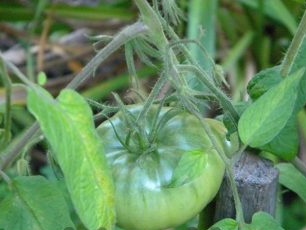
145, 199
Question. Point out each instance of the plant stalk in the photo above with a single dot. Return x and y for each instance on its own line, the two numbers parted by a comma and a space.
229, 171
5, 177
15, 147
293, 49
299, 165
287, 65
120, 39
152, 20
223, 99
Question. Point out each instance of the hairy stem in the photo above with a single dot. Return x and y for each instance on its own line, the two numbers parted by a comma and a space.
153, 95
158, 38
151, 19
294, 47
120, 39
228, 168
5, 177
223, 99
154, 22
130, 62
287, 65
15, 147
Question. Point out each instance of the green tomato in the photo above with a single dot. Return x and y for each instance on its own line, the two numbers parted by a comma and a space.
151, 192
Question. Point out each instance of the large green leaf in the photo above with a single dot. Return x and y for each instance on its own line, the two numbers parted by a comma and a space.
260, 221
263, 81
293, 179
68, 126
268, 115
34, 203
263, 221
286, 143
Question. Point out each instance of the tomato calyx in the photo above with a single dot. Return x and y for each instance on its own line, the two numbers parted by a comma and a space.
138, 140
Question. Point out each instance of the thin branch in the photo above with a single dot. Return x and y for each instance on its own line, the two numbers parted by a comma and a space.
15, 147
120, 39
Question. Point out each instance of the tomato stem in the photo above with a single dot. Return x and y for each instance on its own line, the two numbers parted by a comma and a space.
5, 177
223, 99
174, 73
237, 201
151, 19
228, 168
294, 47
150, 100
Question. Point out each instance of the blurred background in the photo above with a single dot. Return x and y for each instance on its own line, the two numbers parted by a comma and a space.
59, 37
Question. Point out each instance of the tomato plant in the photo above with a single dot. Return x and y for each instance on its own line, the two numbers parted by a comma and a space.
166, 170
157, 163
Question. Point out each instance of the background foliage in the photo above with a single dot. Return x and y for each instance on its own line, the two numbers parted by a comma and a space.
60, 37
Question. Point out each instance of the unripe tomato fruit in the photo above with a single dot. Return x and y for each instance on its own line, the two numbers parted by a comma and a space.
146, 198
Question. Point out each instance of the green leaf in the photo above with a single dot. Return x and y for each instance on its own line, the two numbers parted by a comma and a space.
301, 100
225, 224
189, 167
263, 221
267, 116
293, 179
286, 143
263, 81
69, 128
34, 204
